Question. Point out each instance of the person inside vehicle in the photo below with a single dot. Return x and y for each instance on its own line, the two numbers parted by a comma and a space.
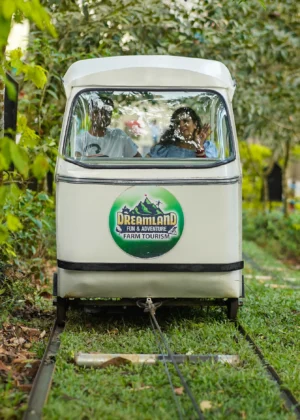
100, 140
186, 137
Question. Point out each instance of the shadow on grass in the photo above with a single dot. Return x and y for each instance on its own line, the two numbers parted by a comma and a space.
137, 318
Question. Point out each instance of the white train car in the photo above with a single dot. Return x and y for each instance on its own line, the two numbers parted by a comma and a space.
149, 183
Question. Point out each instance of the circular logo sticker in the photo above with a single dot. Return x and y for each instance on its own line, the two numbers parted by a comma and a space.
146, 221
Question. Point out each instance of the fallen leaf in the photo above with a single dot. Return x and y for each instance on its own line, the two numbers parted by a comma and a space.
46, 295
30, 331
43, 333
4, 367
25, 387
179, 391
205, 405
141, 388
27, 345
116, 361
113, 332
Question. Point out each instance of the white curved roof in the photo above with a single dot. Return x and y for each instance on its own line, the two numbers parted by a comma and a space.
148, 71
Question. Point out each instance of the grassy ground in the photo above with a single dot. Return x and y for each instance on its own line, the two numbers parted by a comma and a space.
272, 311
244, 391
26, 315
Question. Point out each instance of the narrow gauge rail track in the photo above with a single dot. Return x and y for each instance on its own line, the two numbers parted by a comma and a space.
42, 383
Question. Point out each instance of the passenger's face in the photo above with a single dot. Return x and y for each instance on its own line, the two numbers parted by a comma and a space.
101, 118
186, 126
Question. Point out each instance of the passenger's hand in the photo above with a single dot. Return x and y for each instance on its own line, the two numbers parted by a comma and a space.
204, 132
201, 136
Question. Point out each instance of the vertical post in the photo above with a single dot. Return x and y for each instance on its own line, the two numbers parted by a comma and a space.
2, 95
284, 177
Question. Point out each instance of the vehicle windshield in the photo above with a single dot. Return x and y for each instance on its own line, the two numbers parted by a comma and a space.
164, 126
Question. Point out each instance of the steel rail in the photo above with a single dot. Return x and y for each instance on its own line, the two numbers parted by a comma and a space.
289, 399
171, 356
43, 379
175, 398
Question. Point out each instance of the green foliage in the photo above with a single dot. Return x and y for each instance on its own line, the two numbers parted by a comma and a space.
40, 167
278, 234
29, 217
13, 153
17, 10
257, 44
33, 73
255, 158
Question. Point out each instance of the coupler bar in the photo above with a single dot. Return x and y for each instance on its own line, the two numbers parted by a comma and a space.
103, 360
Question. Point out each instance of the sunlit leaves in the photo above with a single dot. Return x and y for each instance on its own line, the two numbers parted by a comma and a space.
19, 158
33, 73
8, 9
30, 9
40, 166
254, 158
28, 136
3, 194
5, 155
3, 234
36, 74
13, 153
13, 222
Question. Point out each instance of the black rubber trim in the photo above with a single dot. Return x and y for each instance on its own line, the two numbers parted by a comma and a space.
54, 284
153, 164
243, 287
172, 268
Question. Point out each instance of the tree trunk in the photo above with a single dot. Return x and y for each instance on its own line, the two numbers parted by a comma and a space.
265, 189
284, 177
2, 96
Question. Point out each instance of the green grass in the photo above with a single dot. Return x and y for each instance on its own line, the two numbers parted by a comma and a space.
271, 314
235, 392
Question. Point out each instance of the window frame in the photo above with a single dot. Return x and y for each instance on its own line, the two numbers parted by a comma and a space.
148, 163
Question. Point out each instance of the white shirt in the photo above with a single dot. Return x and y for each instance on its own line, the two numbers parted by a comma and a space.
115, 144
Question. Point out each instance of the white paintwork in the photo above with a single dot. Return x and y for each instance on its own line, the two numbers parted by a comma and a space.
144, 284
212, 231
148, 71
210, 234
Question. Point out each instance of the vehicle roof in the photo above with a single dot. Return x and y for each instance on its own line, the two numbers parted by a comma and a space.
148, 71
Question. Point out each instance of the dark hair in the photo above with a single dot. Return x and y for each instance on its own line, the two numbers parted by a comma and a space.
169, 135
105, 100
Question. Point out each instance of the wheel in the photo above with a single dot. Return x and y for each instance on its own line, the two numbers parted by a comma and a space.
61, 311
232, 308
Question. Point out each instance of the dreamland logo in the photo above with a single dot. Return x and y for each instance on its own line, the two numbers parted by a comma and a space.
146, 221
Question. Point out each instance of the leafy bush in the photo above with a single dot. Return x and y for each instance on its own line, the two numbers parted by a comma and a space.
272, 230
33, 235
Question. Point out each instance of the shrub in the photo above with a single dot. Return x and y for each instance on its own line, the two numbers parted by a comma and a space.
272, 230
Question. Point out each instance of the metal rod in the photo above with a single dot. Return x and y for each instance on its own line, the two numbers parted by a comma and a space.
290, 400
183, 381
179, 407
42, 382
97, 359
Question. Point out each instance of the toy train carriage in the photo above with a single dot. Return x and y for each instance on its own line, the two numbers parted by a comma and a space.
145, 209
